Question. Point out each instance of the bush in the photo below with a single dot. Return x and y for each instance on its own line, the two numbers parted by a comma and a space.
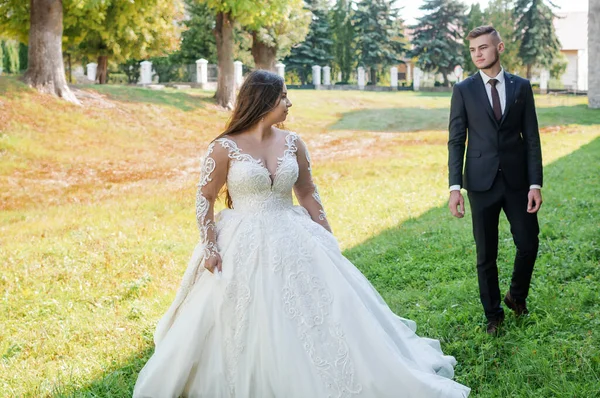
131, 69
117, 78
9, 56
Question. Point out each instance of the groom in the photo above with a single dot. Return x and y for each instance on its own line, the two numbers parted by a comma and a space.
503, 170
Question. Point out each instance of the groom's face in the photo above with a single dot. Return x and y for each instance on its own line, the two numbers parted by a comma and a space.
485, 51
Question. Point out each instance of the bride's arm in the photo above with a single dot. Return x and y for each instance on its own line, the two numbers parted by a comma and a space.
306, 190
212, 178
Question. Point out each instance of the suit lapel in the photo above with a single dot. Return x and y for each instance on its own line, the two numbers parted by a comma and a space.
509, 83
478, 89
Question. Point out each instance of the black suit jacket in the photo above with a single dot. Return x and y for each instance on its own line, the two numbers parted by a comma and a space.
513, 144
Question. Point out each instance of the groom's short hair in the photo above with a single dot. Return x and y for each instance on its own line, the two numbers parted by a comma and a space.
484, 30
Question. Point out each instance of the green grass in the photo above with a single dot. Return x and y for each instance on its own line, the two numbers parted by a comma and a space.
425, 270
97, 224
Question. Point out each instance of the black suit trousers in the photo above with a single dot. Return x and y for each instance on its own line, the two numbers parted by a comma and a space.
485, 211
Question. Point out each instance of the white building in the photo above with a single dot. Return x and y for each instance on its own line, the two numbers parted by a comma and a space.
572, 31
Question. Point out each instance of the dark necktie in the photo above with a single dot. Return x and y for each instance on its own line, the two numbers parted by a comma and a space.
496, 100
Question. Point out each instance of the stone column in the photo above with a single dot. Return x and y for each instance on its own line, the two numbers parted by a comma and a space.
408, 73
91, 71
394, 77
316, 75
238, 74
202, 71
146, 72
361, 78
417, 79
327, 75
280, 70
594, 54
544, 78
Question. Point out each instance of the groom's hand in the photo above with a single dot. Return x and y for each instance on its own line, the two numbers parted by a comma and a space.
534, 200
457, 204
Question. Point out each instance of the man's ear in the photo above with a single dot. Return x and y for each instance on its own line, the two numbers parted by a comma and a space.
501, 47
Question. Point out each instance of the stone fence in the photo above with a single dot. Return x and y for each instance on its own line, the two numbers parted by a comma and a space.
321, 77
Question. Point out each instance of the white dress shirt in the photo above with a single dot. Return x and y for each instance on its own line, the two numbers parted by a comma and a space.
501, 87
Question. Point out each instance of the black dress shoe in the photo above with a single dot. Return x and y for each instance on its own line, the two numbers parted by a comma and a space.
519, 308
493, 325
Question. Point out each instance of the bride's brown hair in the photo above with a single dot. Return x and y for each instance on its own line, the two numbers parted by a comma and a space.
260, 93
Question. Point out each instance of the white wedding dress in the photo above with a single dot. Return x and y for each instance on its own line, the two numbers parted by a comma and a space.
290, 317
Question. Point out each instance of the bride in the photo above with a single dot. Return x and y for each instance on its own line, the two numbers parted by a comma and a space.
281, 314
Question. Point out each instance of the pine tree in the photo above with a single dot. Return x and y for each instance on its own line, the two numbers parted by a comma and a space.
344, 38
379, 32
316, 48
539, 44
198, 40
438, 37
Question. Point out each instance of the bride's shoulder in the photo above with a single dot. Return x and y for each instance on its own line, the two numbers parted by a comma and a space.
289, 136
219, 148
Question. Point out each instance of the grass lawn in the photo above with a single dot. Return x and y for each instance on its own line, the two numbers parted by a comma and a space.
97, 224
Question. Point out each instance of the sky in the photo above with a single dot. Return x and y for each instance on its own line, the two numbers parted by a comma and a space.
411, 8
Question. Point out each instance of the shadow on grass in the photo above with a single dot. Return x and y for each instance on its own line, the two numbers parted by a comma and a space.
169, 97
419, 119
562, 115
393, 120
424, 268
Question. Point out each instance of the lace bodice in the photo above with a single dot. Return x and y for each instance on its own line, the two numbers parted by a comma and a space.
252, 187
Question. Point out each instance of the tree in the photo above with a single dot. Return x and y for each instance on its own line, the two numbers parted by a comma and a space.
475, 18
275, 40
40, 23
316, 48
244, 12
379, 33
198, 39
46, 71
438, 36
535, 24
120, 30
344, 38
501, 15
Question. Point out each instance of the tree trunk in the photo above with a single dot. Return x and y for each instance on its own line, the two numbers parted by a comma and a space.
373, 73
528, 73
102, 71
69, 69
594, 54
226, 84
264, 55
46, 70
446, 80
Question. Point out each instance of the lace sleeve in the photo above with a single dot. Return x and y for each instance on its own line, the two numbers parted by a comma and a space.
212, 177
306, 190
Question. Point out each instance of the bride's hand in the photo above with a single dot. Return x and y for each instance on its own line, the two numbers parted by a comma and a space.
213, 263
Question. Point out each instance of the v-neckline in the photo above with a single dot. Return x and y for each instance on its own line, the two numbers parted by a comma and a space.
261, 163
